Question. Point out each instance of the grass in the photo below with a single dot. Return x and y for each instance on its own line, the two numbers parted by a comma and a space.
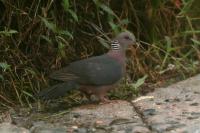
37, 37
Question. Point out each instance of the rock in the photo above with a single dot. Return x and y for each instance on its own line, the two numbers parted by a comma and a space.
42, 127
171, 109
10, 128
114, 117
174, 108
117, 116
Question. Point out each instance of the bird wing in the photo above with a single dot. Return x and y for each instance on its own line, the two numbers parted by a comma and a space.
99, 70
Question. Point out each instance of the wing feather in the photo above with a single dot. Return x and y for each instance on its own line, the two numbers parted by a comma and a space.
99, 70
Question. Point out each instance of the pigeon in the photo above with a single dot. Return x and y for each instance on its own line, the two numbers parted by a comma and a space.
95, 75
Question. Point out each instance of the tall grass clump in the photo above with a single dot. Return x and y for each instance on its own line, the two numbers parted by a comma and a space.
38, 37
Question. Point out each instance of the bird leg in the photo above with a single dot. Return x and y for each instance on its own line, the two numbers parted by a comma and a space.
102, 98
88, 96
99, 92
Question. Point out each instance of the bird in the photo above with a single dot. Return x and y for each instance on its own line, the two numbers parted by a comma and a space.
94, 75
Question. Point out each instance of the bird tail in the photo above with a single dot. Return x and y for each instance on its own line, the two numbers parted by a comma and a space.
57, 91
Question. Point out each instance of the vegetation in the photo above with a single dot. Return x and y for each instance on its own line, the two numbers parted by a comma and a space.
37, 37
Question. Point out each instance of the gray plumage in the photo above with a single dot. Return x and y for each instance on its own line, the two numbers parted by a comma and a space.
99, 70
95, 75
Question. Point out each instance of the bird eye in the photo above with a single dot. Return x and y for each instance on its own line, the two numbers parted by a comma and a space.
127, 37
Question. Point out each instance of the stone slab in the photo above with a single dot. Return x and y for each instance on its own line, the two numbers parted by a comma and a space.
172, 109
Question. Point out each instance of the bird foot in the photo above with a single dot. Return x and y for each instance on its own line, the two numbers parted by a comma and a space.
104, 101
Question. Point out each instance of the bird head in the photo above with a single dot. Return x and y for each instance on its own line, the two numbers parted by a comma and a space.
125, 39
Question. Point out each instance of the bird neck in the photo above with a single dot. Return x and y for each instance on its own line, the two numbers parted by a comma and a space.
115, 46
117, 52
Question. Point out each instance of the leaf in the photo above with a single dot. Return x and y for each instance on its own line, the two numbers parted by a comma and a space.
186, 6
124, 21
75, 17
195, 41
47, 39
49, 25
31, 71
28, 94
65, 4
139, 82
4, 66
169, 42
97, 3
1, 77
114, 27
103, 42
169, 49
61, 48
192, 32
8, 32
65, 32
107, 9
